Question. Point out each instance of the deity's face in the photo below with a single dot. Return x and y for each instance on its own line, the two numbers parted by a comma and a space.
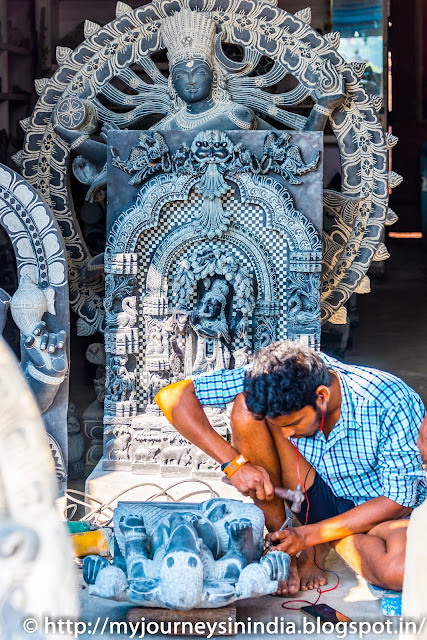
192, 80
211, 308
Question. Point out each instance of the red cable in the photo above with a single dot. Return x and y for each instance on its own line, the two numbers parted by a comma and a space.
303, 485
319, 590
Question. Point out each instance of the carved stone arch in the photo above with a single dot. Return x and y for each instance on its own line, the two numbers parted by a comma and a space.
281, 215
145, 213
34, 233
176, 241
40, 257
261, 27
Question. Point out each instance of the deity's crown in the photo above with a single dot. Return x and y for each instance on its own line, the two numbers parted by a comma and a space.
218, 291
188, 35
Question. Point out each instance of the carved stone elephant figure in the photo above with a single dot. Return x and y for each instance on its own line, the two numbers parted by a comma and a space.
118, 447
177, 456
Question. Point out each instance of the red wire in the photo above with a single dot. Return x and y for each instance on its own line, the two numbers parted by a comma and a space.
303, 486
319, 590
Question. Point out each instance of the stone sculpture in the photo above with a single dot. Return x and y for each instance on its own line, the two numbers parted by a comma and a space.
39, 306
229, 92
212, 244
210, 325
211, 174
187, 556
36, 565
93, 416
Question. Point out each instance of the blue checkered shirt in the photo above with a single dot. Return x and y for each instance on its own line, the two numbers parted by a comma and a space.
371, 451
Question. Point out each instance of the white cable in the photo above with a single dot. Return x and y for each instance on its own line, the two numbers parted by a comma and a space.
95, 513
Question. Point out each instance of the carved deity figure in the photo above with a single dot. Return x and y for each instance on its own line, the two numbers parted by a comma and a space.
201, 97
197, 82
120, 382
213, 335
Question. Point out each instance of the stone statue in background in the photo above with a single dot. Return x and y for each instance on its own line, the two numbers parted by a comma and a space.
197, 83
187, 556
229, 60
76, 444
198, 94
39, 306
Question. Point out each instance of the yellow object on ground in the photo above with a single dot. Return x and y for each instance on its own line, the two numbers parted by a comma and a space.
92, 543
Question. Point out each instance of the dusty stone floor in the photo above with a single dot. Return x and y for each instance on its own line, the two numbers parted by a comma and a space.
391, 336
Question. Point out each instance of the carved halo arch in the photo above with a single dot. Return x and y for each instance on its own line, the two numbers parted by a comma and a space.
281, 214
359, 211
157, 282
40, 254
145, 213
266, 192
33, 231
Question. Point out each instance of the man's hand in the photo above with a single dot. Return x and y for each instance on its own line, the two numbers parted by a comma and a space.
422, 440
253, 481
292, 541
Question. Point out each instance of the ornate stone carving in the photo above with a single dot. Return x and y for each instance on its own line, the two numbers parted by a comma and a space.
120, 388
204, 303
229, 93
39, 306
223, 279
187, 556
122, 336
176, 453
118, 446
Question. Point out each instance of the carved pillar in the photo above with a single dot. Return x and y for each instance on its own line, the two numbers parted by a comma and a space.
303, 285
121, 346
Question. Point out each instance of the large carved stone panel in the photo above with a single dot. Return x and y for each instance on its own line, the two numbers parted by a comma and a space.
213, 252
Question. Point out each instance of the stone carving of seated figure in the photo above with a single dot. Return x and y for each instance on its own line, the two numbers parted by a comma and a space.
203, 558
210, 325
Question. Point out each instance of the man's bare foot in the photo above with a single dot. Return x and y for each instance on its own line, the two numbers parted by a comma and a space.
290, 586
311, 577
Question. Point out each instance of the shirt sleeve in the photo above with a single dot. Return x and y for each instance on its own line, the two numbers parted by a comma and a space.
219, 387
401, 473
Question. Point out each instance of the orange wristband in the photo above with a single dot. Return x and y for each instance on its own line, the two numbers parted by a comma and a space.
235, 465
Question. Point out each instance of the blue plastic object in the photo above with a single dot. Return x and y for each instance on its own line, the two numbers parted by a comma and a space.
391, 601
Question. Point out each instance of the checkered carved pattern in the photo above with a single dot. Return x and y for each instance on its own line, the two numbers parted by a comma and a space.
245, 216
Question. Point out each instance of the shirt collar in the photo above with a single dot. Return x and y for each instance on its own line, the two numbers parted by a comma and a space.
348, 417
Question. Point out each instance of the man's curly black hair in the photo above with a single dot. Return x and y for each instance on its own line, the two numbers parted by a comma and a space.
284, 379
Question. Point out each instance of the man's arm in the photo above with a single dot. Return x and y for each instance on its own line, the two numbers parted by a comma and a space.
358, 520
182, 408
